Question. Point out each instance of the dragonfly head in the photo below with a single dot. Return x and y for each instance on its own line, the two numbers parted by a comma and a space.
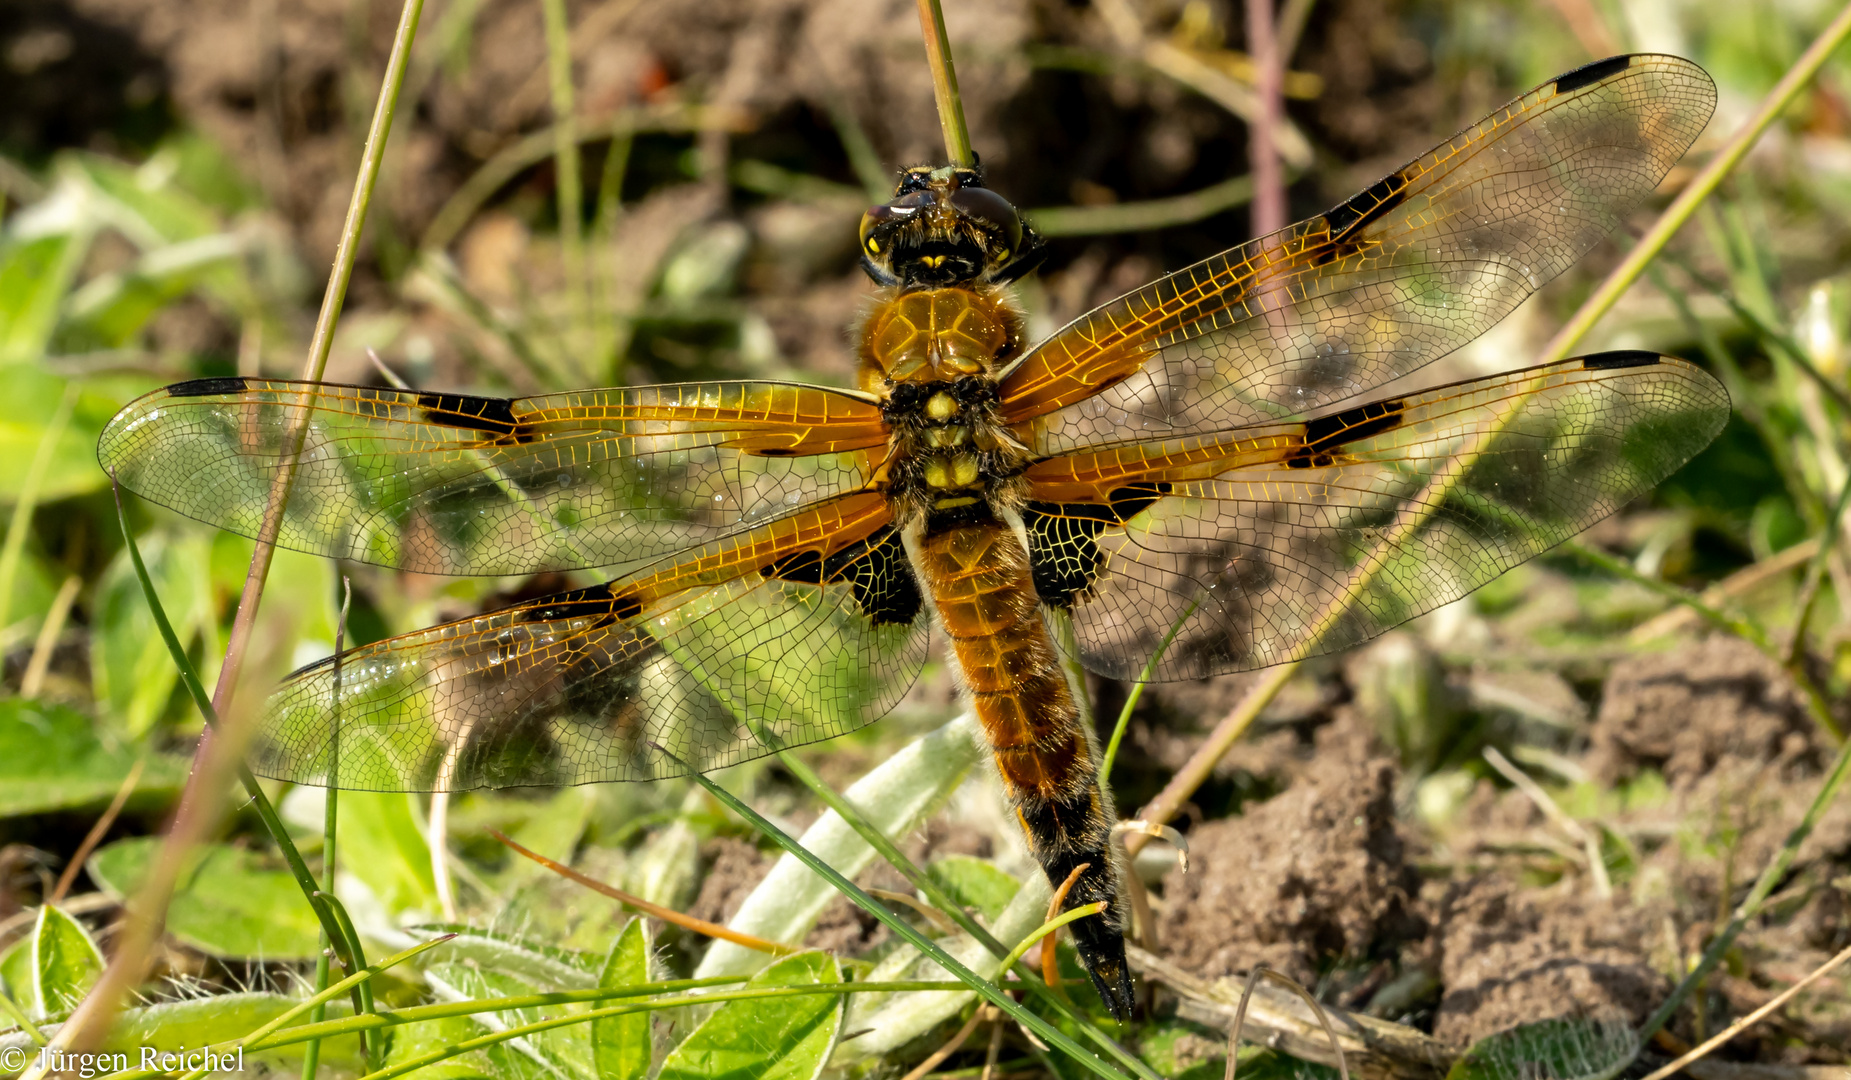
943, 227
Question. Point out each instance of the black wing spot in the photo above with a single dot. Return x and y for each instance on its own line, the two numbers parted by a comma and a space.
1623, 358
1357, 211
207, 387
488, 414
880, 576
805, 567
775, 451
1589, 74
876, 569
597, 602
1327, 434
1063, 551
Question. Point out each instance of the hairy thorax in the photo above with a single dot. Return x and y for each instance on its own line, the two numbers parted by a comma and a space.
933, 356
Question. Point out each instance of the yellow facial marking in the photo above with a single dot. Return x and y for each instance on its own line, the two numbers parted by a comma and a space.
941, 407
964, 470
952, 504
874, 247
937, 473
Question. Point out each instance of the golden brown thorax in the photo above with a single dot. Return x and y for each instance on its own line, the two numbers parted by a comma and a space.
936, 335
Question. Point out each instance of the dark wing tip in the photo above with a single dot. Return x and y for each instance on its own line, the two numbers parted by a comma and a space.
1620, 358
208, 387
1589, 74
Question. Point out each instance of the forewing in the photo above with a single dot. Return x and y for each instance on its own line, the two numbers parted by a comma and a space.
1276, 542
457, 484
1422, 262
798, 630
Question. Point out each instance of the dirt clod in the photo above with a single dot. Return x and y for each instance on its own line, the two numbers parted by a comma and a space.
1317, 873
1688, 711
1509, 959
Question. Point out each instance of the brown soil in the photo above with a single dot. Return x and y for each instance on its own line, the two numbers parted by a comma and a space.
1314, 875
1720, 703
1319, 880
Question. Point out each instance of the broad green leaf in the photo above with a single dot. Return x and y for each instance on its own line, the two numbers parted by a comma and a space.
51, 759
132, 671
35, 274
1565, 1048
413, 1041
767, 1039
16, 975
141, 200
230, 902
620, 1045
554, 968
564, 1052
65, 961
382, 843
975, 883
553, 831
195, 1022
32, 395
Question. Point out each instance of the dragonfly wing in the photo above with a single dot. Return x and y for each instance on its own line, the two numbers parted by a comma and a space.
798, 630
1279, 541
1422, 262
457, 484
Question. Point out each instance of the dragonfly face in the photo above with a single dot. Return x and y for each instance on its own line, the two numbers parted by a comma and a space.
1197, 461
943, 227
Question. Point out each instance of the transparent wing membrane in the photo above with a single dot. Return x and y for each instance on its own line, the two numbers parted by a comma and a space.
1280, 541
456, 484
1422, 262
800, 630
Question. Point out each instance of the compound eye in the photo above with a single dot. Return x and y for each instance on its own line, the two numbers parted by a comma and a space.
992, 209
898, 210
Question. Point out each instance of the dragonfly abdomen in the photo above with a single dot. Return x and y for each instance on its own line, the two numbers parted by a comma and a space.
978, 574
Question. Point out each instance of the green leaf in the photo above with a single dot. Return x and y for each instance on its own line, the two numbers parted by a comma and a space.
195, 1022
35, 274
32, 395
51, 759
563, 1052
230, 902
383, 844
66, 962
553, 831
129, 663
16, 976
620, 1045
1566, 1048
775, 1039
416, 1040
554, 968
975, 883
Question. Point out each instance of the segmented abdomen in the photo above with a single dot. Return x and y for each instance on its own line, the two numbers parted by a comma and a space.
979, 578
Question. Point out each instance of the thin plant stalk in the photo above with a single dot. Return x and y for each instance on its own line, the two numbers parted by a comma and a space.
1750, 1020
1560, 346
1262, 150
97, 832
943, 901
1699, 189
1751, 904
1201, 764
1747, 630
904, 930
330, 821
1815, 576
198, 802
1137, 693
945, 85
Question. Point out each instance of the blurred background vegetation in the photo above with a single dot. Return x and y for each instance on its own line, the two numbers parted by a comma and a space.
172, 181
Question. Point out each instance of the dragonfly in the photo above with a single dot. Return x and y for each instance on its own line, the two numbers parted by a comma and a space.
1197, 462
